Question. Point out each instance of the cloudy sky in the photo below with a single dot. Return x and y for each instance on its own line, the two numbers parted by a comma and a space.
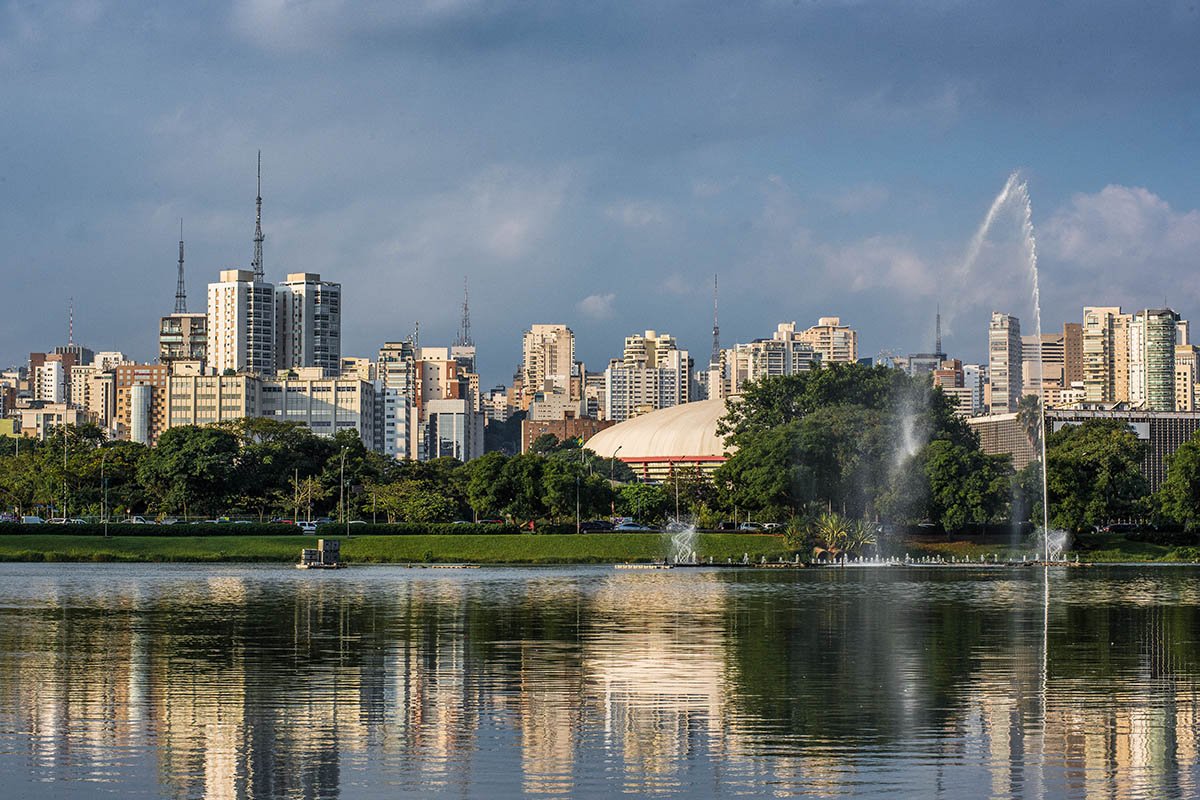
596, 164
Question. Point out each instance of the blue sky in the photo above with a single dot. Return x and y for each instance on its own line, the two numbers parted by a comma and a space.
596, 164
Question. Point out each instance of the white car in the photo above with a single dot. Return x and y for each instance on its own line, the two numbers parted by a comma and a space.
307, 527
136, 521
32, 521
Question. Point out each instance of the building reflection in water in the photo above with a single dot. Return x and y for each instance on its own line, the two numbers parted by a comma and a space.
563, 683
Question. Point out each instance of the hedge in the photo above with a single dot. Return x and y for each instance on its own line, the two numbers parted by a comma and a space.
260, 529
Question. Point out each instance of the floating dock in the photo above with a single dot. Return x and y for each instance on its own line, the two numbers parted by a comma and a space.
326, 555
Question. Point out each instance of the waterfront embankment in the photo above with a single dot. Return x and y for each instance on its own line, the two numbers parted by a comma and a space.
589, 548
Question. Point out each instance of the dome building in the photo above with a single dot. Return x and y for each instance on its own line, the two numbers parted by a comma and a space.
654, 445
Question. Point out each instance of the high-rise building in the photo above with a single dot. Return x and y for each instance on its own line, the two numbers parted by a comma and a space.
1152, 335
141, 401
241, 324
308, 323
1051, 369
1072, 353
50, 382
652, 373
547, 361
787, 352
1105, 335
837, 343
182, 337
1004, 362
1187, 373
452, 428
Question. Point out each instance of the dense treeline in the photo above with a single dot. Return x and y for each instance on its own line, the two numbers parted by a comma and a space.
842, 450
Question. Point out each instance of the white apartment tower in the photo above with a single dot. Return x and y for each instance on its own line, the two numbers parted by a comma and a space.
308, 323
1004, 362
547, 360
241, 323
653, 373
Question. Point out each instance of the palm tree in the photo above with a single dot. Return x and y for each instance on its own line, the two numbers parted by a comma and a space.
1029, 416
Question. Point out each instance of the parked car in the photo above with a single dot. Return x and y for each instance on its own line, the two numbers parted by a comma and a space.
168, 521
322, 520
772, 526
6, 517
307, 527
728, 525
491, 522
631, 526
137, 521
750, 526
56, 521
32, 521
282, 521
595, 525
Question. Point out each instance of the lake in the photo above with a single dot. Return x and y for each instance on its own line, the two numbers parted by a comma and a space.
229, 681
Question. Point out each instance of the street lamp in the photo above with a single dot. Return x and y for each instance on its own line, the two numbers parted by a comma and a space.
342, 493
104, 488
612, 467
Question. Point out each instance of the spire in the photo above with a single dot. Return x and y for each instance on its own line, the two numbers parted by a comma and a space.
180, 291
937, 336
257, 263
715, 359
70, 322
464, 327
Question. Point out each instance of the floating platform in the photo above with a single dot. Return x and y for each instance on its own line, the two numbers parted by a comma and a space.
320, 566
442, 566
644, 566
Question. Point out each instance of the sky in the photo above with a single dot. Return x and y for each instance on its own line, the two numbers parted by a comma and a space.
596, 164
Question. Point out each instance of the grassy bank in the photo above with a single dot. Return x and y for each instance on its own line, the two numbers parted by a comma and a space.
1097, 547
598, 548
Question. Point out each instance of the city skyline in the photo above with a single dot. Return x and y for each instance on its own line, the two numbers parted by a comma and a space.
600, 163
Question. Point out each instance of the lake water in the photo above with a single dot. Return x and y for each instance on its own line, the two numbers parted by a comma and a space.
268, 682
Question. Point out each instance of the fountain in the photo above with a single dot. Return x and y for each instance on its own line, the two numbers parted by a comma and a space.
681, 542
1052, 543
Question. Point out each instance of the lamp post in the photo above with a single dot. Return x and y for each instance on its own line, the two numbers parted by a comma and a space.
104, 489
577, 477
612, 468
342, 493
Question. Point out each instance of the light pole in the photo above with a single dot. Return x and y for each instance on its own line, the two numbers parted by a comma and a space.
66, 498
612, 470
577, 477
342, 493
104, 489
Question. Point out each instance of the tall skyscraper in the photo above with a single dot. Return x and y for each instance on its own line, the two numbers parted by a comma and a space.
833, 340
308, 323
785, 353
652, 373
547, 361
1105, 336
1004, 362
1152, 336
241, 323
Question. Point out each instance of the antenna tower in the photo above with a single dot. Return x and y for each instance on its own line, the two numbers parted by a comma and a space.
257, 263
180, 291
464, 327
715, 359
937, 336
70, 322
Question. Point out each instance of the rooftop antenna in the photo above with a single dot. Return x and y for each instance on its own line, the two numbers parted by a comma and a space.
180, 291
417, 338
937, 336
464, 329
70, 322
715, 359
257, 263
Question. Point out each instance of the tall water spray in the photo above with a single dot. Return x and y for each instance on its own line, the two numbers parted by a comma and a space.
1016, 191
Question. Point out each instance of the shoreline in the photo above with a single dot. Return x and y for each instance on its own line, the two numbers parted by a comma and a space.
725, 549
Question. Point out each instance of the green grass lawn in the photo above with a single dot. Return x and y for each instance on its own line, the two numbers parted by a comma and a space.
591, 548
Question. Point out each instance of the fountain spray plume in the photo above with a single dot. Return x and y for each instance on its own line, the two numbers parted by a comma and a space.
1016, 190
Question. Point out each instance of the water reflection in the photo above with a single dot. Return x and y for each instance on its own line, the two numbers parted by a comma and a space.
261, 683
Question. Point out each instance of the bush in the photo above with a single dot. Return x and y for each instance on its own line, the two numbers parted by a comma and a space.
266, 529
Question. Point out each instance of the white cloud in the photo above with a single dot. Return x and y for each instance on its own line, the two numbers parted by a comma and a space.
597, 306
856, 199
636, 213
1122, 227
878, 262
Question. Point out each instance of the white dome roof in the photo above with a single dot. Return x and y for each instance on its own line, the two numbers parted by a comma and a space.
688, 430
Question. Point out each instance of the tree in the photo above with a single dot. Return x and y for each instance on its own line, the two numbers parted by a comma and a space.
1094, 474
645, 502
488, 490
966, 486
1179, 496
191, 469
